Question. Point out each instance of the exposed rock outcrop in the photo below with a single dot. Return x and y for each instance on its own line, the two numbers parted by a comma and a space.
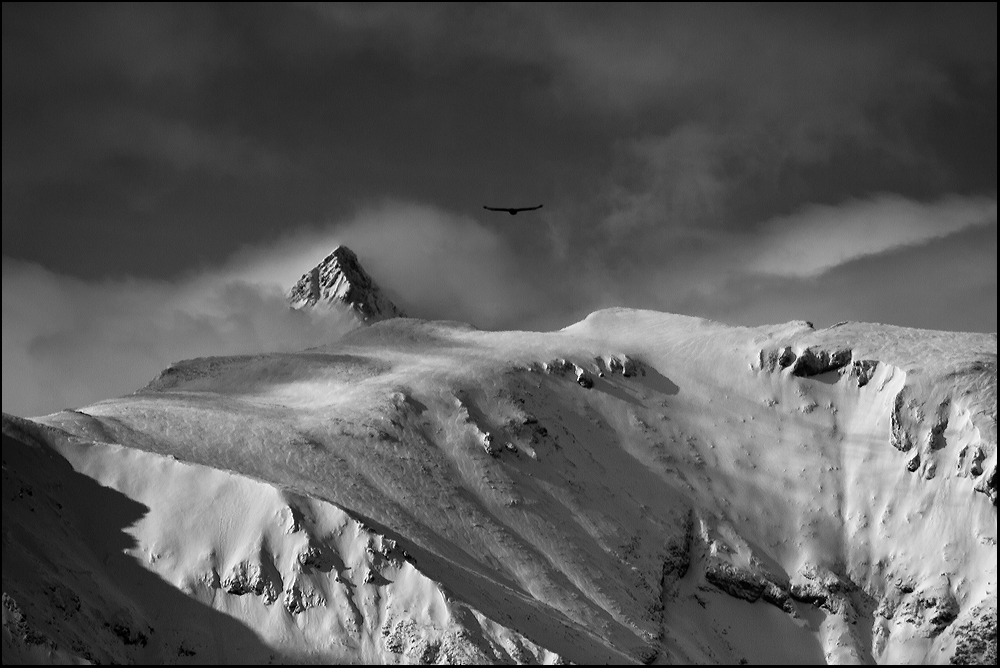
976, 640
823, 588
259, 577
340, 279
929, 609
731, 566
904, 411
863, 371
813, 362
776, 359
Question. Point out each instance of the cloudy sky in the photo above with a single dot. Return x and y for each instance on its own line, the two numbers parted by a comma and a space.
169, 170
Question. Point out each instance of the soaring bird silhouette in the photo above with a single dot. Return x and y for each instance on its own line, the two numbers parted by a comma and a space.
513, 210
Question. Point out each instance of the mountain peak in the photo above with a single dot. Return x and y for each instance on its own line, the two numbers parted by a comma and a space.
340, 279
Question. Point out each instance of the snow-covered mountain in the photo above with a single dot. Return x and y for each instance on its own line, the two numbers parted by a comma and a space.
340, 281
637, 487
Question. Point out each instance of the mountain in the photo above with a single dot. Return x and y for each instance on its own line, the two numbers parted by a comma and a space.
341, 280
638, 487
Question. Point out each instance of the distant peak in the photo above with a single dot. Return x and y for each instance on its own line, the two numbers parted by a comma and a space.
340, 279
342, 253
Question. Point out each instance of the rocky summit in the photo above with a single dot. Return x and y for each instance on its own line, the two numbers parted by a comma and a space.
341, 280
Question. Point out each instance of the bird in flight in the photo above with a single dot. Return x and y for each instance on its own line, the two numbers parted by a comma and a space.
513, 210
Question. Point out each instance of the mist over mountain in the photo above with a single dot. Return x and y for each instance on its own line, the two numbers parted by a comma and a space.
638, 487
284, 382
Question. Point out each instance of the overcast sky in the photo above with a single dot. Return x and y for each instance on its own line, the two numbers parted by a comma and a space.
169, 170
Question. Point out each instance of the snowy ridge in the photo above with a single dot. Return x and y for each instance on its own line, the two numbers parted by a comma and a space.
340, 279
310, 580
637, 487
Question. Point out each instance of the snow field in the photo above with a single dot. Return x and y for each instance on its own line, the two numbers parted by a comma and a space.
636, 486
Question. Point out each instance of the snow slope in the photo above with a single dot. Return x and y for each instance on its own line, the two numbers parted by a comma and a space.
639, 487
135, 557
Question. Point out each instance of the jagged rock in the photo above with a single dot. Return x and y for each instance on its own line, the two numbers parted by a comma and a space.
976, 640
988, 485
775, 360
557, 366
777, 596
809, 592
935, 437
311, 557
976, 469
914, 463
296, 601
624, 365
389, 549
822, 588
930, 610
732, 567
395, 636
249, 578
488, 445
426, 652
863, 371
17, 625
678, 555
583, 378
340, 279
899, 436
406, 638
129, 635
945, 612
736, 582
812, 362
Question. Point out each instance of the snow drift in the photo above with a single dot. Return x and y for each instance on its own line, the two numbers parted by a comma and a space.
638, 487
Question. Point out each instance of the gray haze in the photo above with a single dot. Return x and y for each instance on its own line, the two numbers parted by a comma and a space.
168, 171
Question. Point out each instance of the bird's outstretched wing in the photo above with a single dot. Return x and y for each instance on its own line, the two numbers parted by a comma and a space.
512, 210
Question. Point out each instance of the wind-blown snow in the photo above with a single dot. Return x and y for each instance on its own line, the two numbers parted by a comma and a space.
636, 487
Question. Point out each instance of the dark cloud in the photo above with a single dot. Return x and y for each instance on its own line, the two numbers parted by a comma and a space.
720, 161
68, 341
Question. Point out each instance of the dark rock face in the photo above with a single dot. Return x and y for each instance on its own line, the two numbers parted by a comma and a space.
253, 578
863, 371
678, 556
812, 362
736, 582
977, 640
340, 278
988, 485
929, 610
900, 436
748, 584
935, 438
777, 596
